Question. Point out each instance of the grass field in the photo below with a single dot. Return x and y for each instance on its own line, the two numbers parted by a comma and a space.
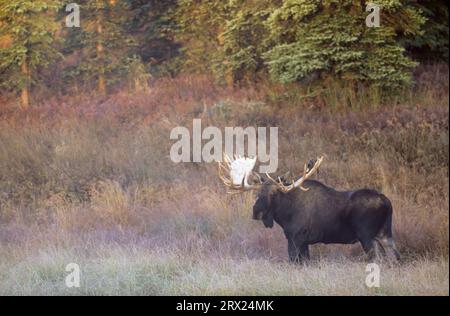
111, 269
89, 181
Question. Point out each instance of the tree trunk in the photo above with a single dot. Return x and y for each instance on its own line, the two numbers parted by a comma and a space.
229, 74
25, 95
101, 85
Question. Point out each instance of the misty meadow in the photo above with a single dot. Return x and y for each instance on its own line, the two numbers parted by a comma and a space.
87, 113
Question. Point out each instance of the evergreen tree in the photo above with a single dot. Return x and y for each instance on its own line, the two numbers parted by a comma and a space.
27, 33
299, 40
330, 39
310, 41
100, 46
150, 25
432, 43
201, 27
245, 39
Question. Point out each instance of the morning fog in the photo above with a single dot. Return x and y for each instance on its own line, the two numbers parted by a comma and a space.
209, 144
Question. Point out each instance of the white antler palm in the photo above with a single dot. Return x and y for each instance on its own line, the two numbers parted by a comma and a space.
238, 170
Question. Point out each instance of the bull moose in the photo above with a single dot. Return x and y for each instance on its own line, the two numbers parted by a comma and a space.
310, 212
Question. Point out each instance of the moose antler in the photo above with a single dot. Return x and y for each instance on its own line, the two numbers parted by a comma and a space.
238, 171
307, 172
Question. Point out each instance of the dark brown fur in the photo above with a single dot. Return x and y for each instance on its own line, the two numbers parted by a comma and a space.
324, 215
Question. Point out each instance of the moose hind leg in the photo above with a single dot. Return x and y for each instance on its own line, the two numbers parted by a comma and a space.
372, 249
390, 245
385, 237
379, 248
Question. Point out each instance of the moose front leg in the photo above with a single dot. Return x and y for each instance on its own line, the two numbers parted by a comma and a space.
298, 252
294, 251
304, 251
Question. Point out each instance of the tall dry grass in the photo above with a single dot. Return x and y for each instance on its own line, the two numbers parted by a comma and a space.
90, 181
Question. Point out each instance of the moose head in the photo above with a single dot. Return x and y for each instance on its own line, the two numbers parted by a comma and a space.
238, 175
